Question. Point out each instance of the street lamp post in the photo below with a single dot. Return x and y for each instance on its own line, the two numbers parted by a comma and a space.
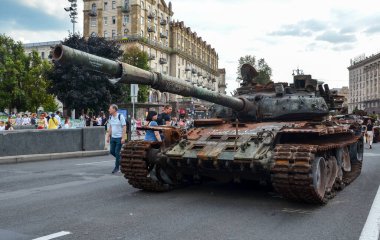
73, 10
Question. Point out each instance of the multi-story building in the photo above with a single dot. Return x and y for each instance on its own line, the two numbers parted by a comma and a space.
43, 48
364, 84
173, 48
222, 85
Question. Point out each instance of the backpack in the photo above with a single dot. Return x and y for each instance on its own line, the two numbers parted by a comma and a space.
118, 116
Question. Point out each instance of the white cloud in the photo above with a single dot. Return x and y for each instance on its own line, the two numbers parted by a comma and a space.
240, 27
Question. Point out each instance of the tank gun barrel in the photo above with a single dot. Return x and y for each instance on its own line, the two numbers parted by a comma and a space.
127, 74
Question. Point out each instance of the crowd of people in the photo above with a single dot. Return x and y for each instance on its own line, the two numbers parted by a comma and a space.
40, 121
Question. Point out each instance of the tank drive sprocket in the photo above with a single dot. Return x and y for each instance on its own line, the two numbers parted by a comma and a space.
137, 169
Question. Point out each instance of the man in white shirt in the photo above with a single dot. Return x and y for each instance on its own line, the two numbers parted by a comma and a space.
116, 134
2, 126
58, 117
25, 120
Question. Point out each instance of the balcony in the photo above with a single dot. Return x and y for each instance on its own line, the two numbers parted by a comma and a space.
151, 29
92, 13
151, 57
163, 61
188, 69
163, 35
151, 15
163, 22
125, 9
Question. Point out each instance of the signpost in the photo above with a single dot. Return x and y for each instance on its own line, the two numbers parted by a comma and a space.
134, 93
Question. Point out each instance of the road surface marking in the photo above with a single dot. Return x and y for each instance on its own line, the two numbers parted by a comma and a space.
94, 163
54, 235
371, 229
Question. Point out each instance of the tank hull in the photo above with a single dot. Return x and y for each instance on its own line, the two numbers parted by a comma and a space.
286, 155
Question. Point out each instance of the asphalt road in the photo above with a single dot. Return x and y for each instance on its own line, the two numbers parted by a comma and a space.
80, 199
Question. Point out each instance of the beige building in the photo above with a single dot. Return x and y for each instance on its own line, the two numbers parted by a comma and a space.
43, 48
364, 84
173, 48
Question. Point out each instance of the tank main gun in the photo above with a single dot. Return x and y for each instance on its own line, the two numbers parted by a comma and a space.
128, 74
301, 100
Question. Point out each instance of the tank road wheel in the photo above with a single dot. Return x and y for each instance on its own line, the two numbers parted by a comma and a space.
319, 173
137, 168
332, 173
356, 159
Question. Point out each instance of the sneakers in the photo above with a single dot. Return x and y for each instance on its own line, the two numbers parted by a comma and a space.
115, 170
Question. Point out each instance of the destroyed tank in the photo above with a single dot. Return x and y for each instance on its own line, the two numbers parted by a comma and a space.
277, 133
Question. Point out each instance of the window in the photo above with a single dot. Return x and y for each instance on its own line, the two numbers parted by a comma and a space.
93, 22
43, 55
113, 34
126, 18
105, 20
93, 34
113, 4
142, 5
113, 20
93, 7
142, 20
105, 6
142, 33
125, 32
105, 34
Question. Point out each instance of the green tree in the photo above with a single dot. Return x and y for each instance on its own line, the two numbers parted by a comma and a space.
138, 58
37, 83
80, 88
23, 83
265, 72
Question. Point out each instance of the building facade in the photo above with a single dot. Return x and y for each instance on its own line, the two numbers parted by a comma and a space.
173, 48
364, 84
42, 48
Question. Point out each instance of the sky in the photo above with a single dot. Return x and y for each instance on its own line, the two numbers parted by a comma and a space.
319, 37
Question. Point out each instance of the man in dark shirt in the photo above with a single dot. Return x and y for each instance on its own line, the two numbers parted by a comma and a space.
165, 116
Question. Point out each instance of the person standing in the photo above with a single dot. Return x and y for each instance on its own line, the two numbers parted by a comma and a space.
58, 117
2, 126
18, 120
53, 122
41, 122
369, 133
116, 134
151, 135
165, 116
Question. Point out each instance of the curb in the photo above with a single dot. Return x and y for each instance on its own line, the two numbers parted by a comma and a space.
51, 156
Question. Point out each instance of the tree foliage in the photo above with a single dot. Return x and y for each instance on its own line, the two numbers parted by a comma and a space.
265, 72
79, 88
23, 79
138, 58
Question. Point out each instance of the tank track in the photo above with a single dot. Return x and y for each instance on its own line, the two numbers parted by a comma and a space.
291, 173
135, 167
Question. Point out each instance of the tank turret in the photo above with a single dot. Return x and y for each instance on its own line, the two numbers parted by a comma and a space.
304, 99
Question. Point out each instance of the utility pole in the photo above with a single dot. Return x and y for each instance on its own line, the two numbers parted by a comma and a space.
73, 10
